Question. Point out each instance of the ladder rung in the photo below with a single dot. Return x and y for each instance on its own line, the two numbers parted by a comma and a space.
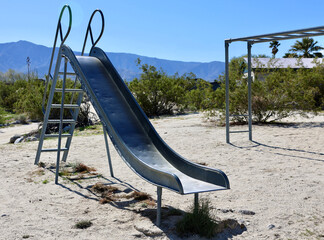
64, 121
65, 106
69, 90
239, 131
57, 135
67, 73
53, 149
242, 115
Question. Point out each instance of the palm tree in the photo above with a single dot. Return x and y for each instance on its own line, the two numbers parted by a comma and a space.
307, 47
274, 45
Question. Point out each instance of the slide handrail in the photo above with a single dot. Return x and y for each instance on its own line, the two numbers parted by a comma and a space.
58, 32
89, 31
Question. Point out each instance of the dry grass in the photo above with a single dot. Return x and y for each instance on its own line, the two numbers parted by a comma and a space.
38, 172
82, 168
77, 171
101, 188
139, 196
106, 192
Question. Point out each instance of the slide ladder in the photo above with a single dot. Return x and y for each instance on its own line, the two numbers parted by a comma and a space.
72, 105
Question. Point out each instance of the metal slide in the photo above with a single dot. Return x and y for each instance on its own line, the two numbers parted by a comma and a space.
132, 134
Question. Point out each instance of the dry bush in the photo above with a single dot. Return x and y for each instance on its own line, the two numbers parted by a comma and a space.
82, 168
101, 188
106, 192
139, 196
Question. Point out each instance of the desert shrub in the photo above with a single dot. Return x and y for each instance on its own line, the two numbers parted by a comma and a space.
157, 93
198, 221
29, 99
200, 96
2, 115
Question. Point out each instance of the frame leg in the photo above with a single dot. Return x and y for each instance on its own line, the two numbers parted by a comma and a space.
108, 153
159, 203
196, 202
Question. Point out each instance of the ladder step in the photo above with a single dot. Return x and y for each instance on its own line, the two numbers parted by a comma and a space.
69, 90
64, 121
53, 149
239, 131
57, 135
65, 106
67, 73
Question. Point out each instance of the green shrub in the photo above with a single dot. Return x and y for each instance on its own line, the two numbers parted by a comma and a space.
2, 115
198, 221
200, 97
158, 93
83, 224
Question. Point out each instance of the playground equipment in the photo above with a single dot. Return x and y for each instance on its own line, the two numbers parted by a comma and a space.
130, 131
301, 33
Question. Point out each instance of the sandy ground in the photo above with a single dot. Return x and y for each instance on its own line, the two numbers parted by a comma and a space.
277, 184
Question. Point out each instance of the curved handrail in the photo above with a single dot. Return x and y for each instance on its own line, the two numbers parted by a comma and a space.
58, 31
89, 30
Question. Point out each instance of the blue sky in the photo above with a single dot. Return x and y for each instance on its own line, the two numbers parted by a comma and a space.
185, 30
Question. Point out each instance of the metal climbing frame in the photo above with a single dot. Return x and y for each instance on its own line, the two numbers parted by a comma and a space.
301, 33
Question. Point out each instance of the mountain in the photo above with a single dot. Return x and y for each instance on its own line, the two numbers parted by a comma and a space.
13, 56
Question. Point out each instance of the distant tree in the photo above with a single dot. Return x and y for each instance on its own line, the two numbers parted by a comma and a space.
274, 45
307, 47
290, 55
28, 65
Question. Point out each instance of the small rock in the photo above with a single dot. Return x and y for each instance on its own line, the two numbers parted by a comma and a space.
4, 215
226, 210
31, 139
271, 226
247, 212
14, 138
19, 140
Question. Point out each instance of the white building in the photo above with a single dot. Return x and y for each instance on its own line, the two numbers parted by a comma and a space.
280, 63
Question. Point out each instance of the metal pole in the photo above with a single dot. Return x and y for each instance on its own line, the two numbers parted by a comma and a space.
249, 46
227, 92
159, 203
60, 124
48, 107
108, 153
196, 202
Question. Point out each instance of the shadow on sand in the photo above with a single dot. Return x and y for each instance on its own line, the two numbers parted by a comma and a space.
169, 215
291, 152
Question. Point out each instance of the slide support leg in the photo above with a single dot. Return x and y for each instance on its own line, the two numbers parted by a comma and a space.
196, 202
159, 203
108, 152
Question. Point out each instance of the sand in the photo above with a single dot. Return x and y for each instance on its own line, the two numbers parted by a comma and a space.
277, 184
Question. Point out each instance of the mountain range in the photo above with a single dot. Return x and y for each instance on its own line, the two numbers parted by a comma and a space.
13, 55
